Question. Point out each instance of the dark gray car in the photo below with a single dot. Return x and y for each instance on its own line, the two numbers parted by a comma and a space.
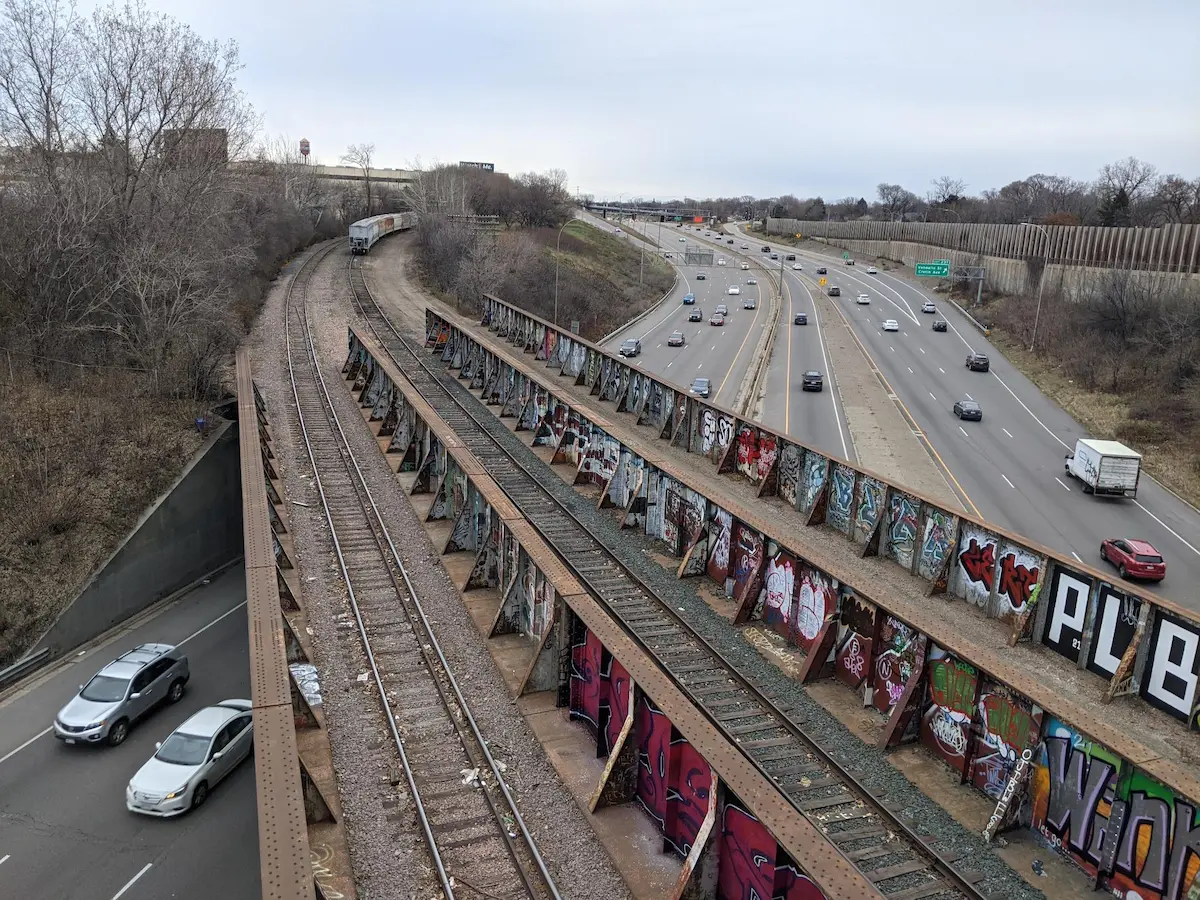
968, 409
702, 387
122, 692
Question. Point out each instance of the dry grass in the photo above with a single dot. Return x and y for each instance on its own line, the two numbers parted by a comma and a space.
1172, 462
79, 463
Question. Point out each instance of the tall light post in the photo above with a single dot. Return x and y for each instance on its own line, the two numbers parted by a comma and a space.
557, 263
1041, 280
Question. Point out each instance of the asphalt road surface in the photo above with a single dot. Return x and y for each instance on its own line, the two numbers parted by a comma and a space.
64, 830
1008, 469
724, 353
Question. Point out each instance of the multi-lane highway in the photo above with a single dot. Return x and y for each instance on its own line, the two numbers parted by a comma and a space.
1008, 469
64, 829
725, 353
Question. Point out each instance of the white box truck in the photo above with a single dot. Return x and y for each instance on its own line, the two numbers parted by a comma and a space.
1108, 468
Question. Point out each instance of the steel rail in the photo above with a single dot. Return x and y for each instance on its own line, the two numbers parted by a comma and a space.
415, 613
916, 844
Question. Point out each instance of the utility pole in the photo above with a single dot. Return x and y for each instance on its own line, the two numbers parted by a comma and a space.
1041, 281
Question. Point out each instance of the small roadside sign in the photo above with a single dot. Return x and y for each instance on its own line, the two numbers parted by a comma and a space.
822, 282
845, 256
799, 236
941, 262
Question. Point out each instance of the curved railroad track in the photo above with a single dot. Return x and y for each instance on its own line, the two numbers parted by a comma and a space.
478, 843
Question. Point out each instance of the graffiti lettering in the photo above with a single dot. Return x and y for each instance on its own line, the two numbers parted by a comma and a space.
1016, 581
979, 562
948, 732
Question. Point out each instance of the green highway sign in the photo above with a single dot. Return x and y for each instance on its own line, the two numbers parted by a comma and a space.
938, 269
679, 218
845, 256
941, 262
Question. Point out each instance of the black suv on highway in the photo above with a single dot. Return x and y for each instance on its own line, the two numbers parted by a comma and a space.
821, 270
812, 381
977, 362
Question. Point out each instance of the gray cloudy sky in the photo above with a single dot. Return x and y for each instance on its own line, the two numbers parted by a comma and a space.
721, 97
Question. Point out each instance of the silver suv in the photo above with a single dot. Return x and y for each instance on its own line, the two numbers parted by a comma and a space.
121, 693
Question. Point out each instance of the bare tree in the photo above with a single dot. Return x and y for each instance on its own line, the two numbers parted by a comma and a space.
281, 168
946, 191
895, 200
360, 156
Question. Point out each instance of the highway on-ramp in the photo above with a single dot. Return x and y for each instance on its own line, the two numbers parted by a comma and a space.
64, 830
1008, 469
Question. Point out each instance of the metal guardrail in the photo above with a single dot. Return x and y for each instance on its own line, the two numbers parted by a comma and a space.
23, 667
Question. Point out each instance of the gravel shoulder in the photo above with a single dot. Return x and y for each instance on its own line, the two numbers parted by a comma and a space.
389, 858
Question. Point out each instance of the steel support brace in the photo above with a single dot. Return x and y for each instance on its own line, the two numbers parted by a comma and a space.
698, 875
316, 809
1122, 680
508, 615
695, 557
909, 703
814, 661
541, 674
302, 714
816, 515
291, 643
746, 602
618, 781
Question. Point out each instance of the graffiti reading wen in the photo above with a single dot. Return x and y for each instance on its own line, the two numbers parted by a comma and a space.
1081, 792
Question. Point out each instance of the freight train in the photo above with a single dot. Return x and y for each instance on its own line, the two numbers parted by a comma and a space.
365, 232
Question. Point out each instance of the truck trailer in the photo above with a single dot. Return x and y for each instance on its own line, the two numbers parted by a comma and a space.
1107, 468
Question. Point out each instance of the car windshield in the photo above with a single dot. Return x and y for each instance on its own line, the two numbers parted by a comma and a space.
1147, 558
629, 345
183, 749
967, 404
677, 334
701, 383
105, 689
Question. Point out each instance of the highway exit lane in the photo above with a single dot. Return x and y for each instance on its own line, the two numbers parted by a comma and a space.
1010, 465
64, 829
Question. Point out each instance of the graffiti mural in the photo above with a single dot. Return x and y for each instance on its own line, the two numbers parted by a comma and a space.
1079, 790
1066, 611
1171, 666
585, 679
1008, 723
815, 467
895, 660
1017, 571
653, 731
747, 557
946, 722
708, 432
841, 499
614, 702
1116, 620
688, 791
747, 451
790, 882
902, 528
768, 452
790, 474
936, 543
721, 540
816, 601
724, 432
747, 856
854, 641
871, 492
780, 582
974, 573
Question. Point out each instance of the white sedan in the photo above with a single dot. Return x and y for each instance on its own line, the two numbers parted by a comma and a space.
734, 291
745, 266
862, 300
891, 325
720, 262
189, 763
797, 267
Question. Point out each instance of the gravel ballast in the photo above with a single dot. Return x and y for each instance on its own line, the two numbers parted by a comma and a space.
388, 280
388, 855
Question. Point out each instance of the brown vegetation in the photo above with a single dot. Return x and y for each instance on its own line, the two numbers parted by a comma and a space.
601, 279
1123, 360
132, 257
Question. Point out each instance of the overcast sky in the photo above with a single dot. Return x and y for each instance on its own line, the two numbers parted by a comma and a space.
671, 97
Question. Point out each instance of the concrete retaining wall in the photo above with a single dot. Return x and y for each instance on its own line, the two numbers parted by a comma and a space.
190, 531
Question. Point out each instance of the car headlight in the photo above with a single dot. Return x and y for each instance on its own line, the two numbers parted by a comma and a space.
99, 724
178, 792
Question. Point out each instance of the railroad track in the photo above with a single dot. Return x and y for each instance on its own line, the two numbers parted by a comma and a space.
864, 827
475, 835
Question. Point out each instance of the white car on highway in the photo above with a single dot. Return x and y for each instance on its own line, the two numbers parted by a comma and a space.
797, 267
751, 281
734, 291
745, 266
192, 760
862, 300
871, 270
720, 262
891, 325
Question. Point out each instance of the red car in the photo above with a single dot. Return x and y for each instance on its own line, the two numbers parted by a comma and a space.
717, 319
1134, 559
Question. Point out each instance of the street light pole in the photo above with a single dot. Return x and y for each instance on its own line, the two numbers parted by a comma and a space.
1041, 280
557, 263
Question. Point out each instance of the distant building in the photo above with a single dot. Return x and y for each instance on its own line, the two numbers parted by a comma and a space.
193, 147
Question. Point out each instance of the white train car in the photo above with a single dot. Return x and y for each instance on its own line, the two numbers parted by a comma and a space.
366, 232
